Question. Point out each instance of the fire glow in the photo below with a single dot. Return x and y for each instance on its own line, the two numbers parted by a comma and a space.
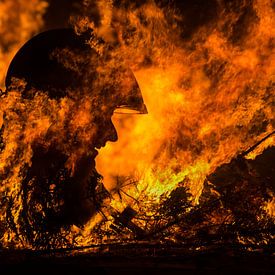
209, 98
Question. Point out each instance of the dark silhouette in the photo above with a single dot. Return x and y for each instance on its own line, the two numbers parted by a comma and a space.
61, 64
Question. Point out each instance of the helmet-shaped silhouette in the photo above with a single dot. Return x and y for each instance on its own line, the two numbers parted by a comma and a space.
61, 64
36, 63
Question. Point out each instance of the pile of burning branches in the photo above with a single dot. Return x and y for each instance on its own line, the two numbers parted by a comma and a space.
231, 211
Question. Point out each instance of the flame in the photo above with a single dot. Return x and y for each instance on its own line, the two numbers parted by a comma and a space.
203, 103
19, 21
270, 207
209, 97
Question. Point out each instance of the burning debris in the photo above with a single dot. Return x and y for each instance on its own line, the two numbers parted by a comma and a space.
176, 175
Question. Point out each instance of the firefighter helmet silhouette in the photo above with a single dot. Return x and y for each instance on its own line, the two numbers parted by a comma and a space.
62, 64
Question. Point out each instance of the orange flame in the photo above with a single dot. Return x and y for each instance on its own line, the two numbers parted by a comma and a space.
208, 98
19, 20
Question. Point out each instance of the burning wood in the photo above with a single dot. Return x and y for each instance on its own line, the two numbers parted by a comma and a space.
125, 220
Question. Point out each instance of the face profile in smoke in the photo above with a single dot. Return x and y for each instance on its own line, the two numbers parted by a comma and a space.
78, 91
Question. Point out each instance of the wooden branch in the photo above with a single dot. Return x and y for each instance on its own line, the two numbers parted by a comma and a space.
256, 144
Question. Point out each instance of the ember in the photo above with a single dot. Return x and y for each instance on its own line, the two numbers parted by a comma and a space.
194, 171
